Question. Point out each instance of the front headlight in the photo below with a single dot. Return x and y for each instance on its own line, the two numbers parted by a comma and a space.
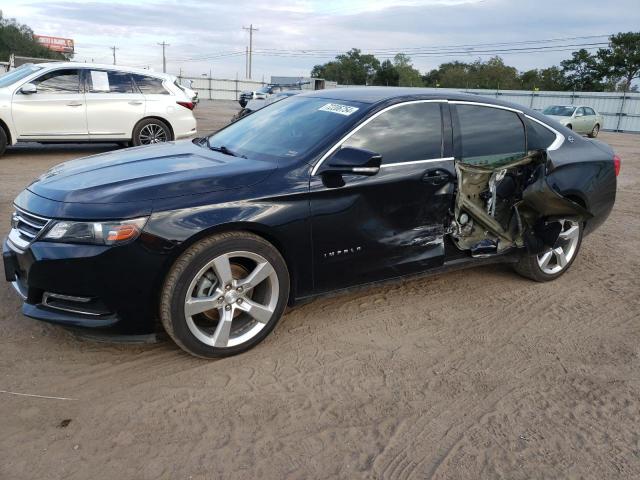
97, 233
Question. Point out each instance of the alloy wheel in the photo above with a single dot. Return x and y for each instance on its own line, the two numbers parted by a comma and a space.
555, 259
152, 133
595, 131
231, 299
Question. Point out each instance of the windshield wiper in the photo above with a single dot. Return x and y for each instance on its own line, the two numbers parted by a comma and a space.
226, 151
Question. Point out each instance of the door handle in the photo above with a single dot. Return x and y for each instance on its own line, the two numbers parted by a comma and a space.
436, 177
135, 102
74, 104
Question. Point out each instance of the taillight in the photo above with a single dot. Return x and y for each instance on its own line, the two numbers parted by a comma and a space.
616, 164
189, 105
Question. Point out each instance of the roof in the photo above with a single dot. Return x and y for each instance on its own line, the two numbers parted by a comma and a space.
123, 68
379, 94
376, 95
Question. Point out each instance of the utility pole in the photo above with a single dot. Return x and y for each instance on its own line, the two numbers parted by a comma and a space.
246, 62
164, 58
114, 53
250, 29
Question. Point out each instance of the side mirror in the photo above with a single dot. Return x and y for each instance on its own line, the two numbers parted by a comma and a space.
579, 114
28, 89
355, 161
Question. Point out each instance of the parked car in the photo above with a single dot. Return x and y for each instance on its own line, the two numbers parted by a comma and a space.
265, 92
316, 193
83, 102
255, 105
579, 118
187, 87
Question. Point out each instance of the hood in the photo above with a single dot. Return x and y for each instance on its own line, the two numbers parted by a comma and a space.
148, 173
558, 118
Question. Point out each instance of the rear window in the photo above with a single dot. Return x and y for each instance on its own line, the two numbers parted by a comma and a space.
100, 81
149, 85
538, 137
490, 136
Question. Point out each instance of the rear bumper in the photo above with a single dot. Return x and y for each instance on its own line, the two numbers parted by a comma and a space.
91, 287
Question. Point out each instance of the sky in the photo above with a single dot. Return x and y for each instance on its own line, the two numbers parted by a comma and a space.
295, 35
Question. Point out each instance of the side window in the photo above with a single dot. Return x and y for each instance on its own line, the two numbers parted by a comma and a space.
59, 81
580, 112
100, 81
589, 111
403, 134
490, 136
538, 137
149, 85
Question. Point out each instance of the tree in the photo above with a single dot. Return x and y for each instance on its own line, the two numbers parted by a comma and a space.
351, 68
551, 78
408, 75
18, 39
582, 71
387, 75
621, 61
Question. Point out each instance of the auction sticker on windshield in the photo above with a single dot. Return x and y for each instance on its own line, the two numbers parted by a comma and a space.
337, 108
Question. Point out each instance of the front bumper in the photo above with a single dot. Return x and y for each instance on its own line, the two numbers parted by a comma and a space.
101, 288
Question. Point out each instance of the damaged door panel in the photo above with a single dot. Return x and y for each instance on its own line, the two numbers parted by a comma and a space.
509, 206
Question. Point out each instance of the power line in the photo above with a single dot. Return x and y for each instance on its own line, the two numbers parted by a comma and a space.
164, 58
437, 49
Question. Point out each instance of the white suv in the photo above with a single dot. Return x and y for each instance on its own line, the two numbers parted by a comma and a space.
81, 102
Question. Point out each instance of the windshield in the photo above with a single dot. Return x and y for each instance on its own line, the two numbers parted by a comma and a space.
263, 90
19, 73
290, 128
559, 111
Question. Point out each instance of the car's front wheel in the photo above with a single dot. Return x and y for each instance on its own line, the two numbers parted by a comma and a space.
150, 131
553, 262
224, 294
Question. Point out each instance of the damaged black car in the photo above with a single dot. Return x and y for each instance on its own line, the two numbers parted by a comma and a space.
210, 240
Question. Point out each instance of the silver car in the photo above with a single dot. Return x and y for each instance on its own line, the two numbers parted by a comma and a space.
580, 118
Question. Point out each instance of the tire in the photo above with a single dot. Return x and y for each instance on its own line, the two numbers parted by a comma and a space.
239, 318
532, 265
150, 131
3, 141
594, 131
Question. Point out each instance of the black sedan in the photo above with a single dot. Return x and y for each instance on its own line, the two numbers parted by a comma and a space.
213, 238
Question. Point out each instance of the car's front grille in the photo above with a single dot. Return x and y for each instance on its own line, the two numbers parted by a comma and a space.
26, 227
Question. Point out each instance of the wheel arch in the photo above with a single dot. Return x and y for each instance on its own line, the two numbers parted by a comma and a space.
154, 117
258, 229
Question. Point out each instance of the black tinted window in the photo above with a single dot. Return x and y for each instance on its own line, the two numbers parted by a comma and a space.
403, 134
490, 136
149, 85
538, 137
58, 81
100, 81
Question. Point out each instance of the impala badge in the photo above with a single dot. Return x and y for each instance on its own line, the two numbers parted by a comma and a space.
339, 253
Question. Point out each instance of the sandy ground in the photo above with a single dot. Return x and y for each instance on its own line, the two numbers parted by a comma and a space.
474, 374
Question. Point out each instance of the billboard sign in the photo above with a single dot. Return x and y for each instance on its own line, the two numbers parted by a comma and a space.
57, 44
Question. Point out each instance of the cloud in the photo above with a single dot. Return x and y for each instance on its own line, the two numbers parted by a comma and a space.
202, 30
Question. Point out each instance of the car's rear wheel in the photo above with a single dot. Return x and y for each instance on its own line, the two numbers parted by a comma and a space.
150, 131
553, 262
595, 131
224, 295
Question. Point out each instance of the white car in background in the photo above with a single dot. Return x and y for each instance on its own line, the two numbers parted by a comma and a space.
579, 118
68, 102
